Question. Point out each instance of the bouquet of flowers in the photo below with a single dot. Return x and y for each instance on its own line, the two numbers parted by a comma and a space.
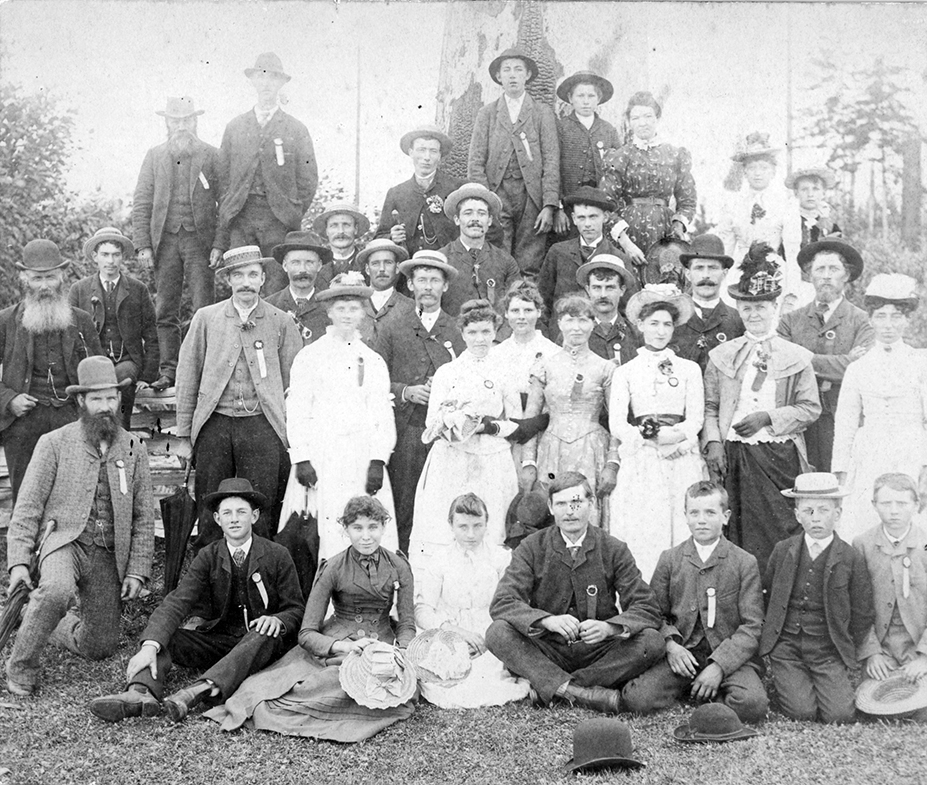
457, 421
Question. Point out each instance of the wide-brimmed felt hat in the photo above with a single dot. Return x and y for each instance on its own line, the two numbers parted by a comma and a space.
591, 196
382, 244
440, 657
602, 743
238, 257
893, 288
95, 373
604, 261
472, 191
425, 258
378, 677
713, 722
826, 175
108, 234
363, 223
301, 241
426, 132
896, 694
41, 256
585, 77
815, 485
660, 293
527, 513
179, 107
349, 284
510, 54
755, 145
706, 246
270, 63
760, 275
238, 487
853, 258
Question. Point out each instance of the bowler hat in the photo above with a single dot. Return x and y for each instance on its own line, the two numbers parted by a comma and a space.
585, 77
706, 246
425, 258
713, 722
472, 191
897, 694
363, 224
349, 284
40, 256
238, 257
602, 743
591, 196
760, 275
815, 485
382, 244
270, 63
513, 54
426, 132
755, 145
95, 373
604, 261
661, 293
852, 257
301, 241
824, 174
108, 234
238, 487
178, 108
378, 677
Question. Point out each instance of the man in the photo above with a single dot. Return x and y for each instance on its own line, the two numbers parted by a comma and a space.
415, 342
302, 259
556, 615
760, 395
413, 213
605, 279
833, 329
484, 271
174, 214
42, 340
245, 587
341, 225
381, 259
91, 480
122, 312
267, 169
234, 368
714, 321
515, 152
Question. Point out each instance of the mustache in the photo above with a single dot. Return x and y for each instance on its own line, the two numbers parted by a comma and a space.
475, 224
100, 427
246, 289
342, 236
302, 277
705, 282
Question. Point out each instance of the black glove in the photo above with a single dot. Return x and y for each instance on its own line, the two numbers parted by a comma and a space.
489, 426
528, 428
305, 474
374, 477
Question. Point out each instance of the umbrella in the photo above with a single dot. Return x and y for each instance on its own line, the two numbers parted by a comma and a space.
11, 615
300, 536
178, 514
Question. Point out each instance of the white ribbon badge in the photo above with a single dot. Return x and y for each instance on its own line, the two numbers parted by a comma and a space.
450, 349
259, 582
262, 363
711, 606
278, 147
123, 482
524, 141
905, 577
203, 181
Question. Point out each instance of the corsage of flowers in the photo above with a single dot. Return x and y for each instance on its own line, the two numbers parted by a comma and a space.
435, 203
649, 428
666, 368
246, 326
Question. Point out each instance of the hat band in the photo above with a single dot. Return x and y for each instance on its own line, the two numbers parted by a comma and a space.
818, 492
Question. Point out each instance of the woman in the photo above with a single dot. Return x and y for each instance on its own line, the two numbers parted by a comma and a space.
656, 411
641, 177
886, 391
574, 385
469, 450
453, 592
301, 694
340, 423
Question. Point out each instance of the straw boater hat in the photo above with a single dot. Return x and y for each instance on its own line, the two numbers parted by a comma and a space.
896, 694
816, 485
426, 132
472, 191
760, 275
604, 261
363, 224
755, 145
602, 743
382, 244
378, 677
301, 241
591, 196
440, 657
178, 108
510, 54
826, 175
108, 234
95, 373
425, 258
854, 260
239, 257
660, 293
349, 284
706, 246
713, 722
238, 487
40, 256
585, 77
894, 288
269, 63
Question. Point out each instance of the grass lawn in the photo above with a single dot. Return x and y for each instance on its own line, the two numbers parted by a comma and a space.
53, 739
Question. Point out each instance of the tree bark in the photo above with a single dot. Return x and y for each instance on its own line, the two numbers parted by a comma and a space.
911, 193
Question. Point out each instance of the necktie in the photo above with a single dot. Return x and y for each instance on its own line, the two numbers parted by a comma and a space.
815, 550
301, 302
367, 563
757, 213
574, 552
238, 556
475, 275
110, 285
821, 310
586, 252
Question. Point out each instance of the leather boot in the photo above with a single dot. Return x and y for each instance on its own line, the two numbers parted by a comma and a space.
131, 703
601, 699
179, 704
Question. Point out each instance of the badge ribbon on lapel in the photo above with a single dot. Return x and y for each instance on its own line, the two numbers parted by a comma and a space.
712, 606
259, 583
123, 482
262, 362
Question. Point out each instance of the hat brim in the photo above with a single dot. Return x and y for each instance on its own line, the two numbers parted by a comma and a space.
829, 178
249, 72
682, 302
567, 85
896, 694
603, 204
726, 261
736, 294
583, 271
453, 199
766, 151
401, 253
279, 251
791, 493
352, 675
333, 292
686, 735
409, 265
76, 389
258, 499
128, 247
405, 141
597, 764
854, 258
420, 646
362, 221
262, 261
175, 116
529, 62
21, 266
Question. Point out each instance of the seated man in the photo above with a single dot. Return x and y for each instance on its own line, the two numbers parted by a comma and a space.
556, 619
712, 601
247, 589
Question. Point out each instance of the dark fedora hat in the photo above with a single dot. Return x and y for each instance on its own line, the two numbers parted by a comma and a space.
760, 275
527, 513
713, 722
95, 373
40, 256
301, 241
852, 257
513, 54
235, 486
591, 196
178, 108
602, 743
426, 132
270, 63
706, 246
585, 77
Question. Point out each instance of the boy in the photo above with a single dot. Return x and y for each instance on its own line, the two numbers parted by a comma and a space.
818, 607
710, 595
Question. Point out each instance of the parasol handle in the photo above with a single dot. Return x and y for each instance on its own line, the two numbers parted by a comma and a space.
49, 528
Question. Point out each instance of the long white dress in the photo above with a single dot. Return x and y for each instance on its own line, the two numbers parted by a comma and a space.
457, 586
880, 426
648, 503
339, 416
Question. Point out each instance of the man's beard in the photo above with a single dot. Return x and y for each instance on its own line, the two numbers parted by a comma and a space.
181, 143
46, 314
99, 428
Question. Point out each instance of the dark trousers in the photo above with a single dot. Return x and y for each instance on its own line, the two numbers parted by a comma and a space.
548, 661
405, 467
819, 438
519, 214
126, 369
239, 447
227, 660
256, 224
20, 438
181, 258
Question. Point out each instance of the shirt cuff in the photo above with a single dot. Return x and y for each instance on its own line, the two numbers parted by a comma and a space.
157, 646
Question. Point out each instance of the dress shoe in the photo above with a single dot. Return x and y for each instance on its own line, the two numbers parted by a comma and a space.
601, 699
131, 703
179, 704
23, 690
162, 383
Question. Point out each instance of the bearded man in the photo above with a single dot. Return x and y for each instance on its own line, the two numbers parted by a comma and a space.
91, 478
42, 340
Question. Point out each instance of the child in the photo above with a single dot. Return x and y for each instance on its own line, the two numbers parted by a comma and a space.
710, 595
818, 607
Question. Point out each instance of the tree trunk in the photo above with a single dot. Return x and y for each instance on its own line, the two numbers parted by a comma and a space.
911, 193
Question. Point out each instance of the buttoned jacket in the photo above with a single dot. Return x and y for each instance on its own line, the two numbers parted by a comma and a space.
697, 337
310, 317
618, 341
576, 144
497, 271
411, 203
373, 318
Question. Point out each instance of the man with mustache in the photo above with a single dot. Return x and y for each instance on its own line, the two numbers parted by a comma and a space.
302, 259
341, 224
42, 340
91, 478
234, 367
605, 279
485, 271
381, 259
174, 214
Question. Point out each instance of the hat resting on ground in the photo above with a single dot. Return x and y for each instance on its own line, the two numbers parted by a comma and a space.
706, 246
301, 241
349, 284
604, 261
238, 487
95, 373
40, 256
760, 275
472, 191
896, 694
361, 220
595, 197
585, 77
426, 132
425, 258
713, 722
513, 54
440, 657
239, 257
270, 63
815, 485
661, 293
602, 743
378, 677
181, 107
382, 244
108, 234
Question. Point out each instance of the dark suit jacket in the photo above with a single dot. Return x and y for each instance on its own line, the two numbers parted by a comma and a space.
580, 147
496, 266
153, 195
80, 341
311, 319
541, 581
694, 339
409, 200
206, 588
848, 605
371, 325
290, 188
135, 317
620, 334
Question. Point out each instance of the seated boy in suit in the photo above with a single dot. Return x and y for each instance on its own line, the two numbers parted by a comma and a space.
711, 598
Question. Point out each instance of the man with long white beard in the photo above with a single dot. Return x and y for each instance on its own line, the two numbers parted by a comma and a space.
42, 340
91, 478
